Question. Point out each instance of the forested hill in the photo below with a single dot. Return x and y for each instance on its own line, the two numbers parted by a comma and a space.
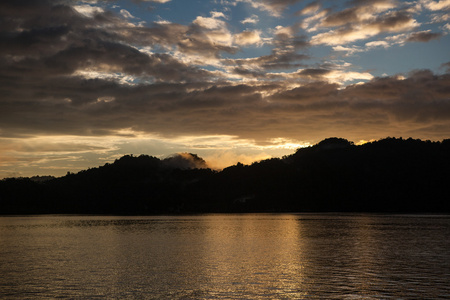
390, 175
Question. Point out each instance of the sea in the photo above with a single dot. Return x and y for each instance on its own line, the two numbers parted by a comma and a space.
225, 256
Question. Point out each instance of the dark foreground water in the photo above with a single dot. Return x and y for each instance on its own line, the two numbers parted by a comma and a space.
267, 256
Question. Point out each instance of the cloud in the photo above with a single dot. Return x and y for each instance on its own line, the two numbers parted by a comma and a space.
436, 5
248, 38
401, 39
185, 161
217, 14
109, 43
423, 36
51, 154
334, 76
437, 18
446, 66
284, 55
126, 14
87, 10
273, 7
419, 100
51, 147
209, 23
362, 11
155, 1
362, 20
390, 22
251, 20
350, 50
310, 9
375, 44
277, 60
206, 33
58, 40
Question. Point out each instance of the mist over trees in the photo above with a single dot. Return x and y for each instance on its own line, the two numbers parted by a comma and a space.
391, 175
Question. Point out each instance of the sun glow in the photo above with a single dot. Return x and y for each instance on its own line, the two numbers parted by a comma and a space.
58, 154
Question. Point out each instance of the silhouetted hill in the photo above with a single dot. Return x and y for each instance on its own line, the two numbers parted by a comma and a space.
390, 175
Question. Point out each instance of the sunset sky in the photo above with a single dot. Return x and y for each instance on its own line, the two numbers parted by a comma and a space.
84, 82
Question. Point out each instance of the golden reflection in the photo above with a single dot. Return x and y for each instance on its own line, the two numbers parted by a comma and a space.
261, 254
365, 252
264, 256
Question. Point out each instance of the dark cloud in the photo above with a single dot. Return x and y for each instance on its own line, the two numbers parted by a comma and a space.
285, 55
392, 21
257, 67
356, 13
423, 36
314, 72
44, 90
360, 3
280, 60
446, 66
309, 93
55, 39
421, 98
277, 6
364, 19
386, 106
245, 72
346, 16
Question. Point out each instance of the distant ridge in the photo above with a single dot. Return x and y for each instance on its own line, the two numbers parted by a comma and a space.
392, 175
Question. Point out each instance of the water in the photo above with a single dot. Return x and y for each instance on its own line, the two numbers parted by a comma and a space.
266, 256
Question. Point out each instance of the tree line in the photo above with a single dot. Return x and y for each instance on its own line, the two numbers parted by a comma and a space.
392, 175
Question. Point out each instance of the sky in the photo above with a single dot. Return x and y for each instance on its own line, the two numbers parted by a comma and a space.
83, 83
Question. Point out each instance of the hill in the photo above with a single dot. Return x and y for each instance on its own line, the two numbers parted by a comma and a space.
389, 175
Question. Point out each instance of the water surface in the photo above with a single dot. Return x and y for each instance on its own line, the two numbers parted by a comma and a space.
275, 256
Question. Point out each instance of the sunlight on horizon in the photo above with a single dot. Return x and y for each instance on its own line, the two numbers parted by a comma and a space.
56, 155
